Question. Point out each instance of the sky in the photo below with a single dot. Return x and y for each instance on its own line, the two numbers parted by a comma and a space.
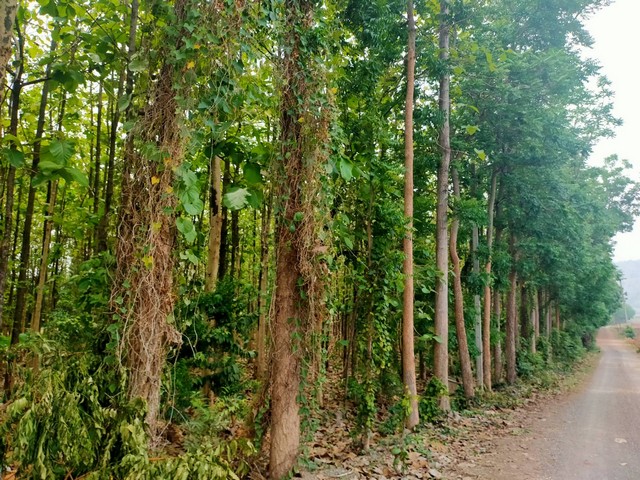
616, 32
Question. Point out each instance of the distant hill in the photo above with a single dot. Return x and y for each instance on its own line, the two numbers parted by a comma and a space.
631, 282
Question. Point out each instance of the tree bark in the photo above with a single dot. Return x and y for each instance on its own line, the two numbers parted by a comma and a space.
8, 9
408, 355
441, 349
5, 245
125, 87
215, 224
19, 312
295, 179
145, 249
44, 260
486, 320
497, 348
461, 331
263, 281
475, 239
512, 314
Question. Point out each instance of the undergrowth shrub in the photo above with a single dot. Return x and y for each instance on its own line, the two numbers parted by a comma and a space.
566, 348
64, 423
629, 332
529, 364
429, 406
217, 328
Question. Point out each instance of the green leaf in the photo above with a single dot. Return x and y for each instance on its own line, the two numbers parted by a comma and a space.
186, 228
72, 174
252, 173
194, 207
236, 198
15, 157
471, 129
61, 150
346, 169
49, 166
138, 64
123, 102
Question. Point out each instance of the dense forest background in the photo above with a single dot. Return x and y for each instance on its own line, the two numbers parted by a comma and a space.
222, 220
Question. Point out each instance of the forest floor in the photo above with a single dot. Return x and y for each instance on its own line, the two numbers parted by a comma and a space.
583, 428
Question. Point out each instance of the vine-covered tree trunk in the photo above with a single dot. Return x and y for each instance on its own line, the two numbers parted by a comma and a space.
297, 302
486, 319
215, 224
461, 330
145, 256
441, 349
408, 355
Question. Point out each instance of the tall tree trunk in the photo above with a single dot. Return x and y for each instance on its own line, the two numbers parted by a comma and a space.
215, 224
263, 281
497, 348
8, 9
486, 319
535, 321
5, 245
441, 349
97, 161
223, 267
44, 259
125, 87
525, 318
461, 331
52, 193
475, 240
408, 355
512, 314
25, 248
302, 135
144, 255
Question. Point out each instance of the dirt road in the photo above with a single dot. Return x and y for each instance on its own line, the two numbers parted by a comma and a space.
599, 434
593, 434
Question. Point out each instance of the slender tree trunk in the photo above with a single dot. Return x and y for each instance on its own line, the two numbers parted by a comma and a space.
408, 355
475, 240
512, 314
223, 267
263, 281
5, 244
25, 249
8, 9
535, 321
125, 87
441, 349
44, 260
486, 319
97, 161
215, 224
461, 331
497, 348
525, 318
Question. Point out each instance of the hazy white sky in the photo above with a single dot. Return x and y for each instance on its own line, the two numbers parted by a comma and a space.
617, 36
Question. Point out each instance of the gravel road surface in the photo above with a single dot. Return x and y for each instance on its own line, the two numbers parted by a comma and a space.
596, 435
